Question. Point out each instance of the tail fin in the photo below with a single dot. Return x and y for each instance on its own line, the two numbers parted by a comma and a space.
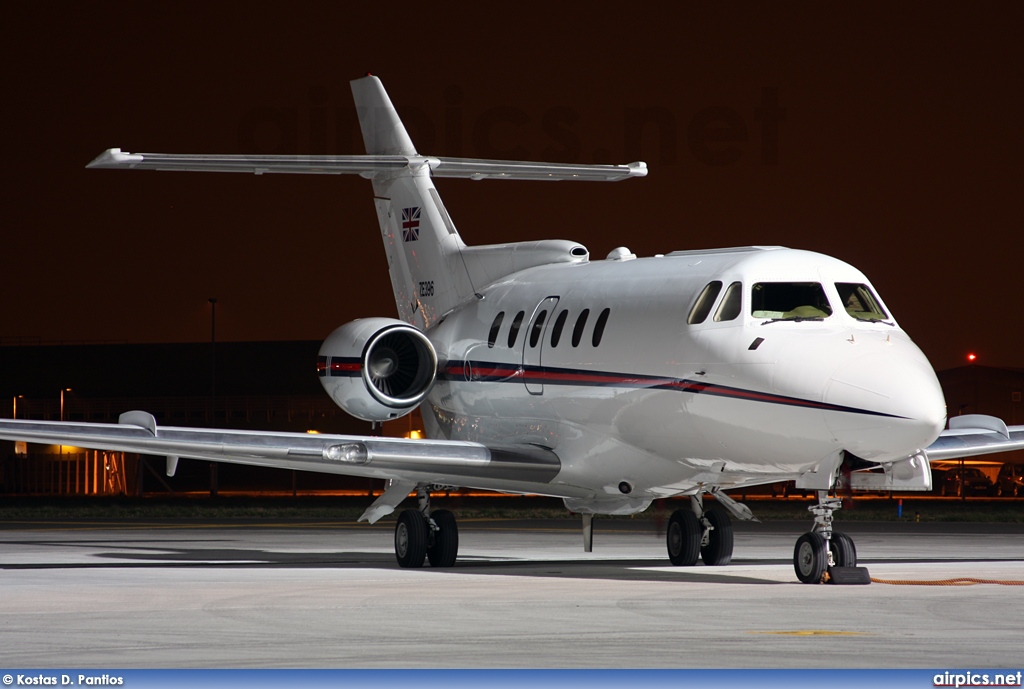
428, 274
383, 131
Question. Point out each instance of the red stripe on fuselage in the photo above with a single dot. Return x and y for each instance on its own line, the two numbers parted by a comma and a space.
496, 374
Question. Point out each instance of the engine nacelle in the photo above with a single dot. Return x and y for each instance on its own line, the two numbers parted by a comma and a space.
377, 369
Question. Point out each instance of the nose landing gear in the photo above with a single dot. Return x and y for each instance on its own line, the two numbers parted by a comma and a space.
823, 555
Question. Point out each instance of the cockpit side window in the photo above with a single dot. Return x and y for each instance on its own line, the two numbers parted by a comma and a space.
860, 302
731, 304
702, 307
796, 301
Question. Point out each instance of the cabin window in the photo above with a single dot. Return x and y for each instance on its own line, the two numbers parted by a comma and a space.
492, 336
514, 330
556, 331
538, 326
577, 331
602, 320
789, 301
860, 302
702, 307
731, 303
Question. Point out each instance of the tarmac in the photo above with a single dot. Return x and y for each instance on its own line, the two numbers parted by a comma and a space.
522, 595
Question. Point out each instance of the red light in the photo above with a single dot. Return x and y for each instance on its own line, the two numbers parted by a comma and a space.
971, 357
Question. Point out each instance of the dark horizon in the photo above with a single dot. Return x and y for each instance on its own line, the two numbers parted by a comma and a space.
888, 137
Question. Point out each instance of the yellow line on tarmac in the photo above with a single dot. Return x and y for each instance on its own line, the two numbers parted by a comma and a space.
812, 632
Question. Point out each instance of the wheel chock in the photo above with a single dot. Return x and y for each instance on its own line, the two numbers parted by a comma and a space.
850, 576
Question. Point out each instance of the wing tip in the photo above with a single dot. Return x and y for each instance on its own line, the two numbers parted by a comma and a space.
114, 157
637, 169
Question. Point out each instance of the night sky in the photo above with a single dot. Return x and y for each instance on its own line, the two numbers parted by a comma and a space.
890, 138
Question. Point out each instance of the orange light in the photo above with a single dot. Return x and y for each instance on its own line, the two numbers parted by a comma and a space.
971, 356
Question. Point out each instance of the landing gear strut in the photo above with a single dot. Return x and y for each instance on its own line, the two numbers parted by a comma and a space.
821, 550
716, 545
696, 532
424, 535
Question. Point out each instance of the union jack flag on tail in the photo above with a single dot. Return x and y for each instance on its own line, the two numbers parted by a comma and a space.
410, 224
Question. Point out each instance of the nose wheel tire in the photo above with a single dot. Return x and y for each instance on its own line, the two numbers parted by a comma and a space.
444, 547
683, 538
411, 533
810, 558
844, 552
718, 551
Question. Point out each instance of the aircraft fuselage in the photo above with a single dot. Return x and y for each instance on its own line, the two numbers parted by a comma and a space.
652, 402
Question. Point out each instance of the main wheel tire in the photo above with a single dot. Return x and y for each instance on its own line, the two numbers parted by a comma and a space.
844, 552
445, 547
683, 538
411, 539
810, 558
718, 551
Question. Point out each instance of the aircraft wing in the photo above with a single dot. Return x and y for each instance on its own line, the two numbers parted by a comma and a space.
365, 165
971, 435
406, 461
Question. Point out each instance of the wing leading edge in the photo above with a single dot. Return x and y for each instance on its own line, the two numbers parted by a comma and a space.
972, 435
408, 461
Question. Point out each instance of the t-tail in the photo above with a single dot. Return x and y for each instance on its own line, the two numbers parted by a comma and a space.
425, 253
432, 270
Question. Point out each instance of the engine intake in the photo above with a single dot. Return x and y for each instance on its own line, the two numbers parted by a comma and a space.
377, 369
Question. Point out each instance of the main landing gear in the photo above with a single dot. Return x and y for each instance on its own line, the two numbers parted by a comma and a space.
821, 552
697, 533
424, 535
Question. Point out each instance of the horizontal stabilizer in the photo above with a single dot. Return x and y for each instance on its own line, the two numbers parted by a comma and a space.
366, 165
507, 169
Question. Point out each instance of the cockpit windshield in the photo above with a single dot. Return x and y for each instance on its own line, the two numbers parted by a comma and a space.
789, 301
860, 302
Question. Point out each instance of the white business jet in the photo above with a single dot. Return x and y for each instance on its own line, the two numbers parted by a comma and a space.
609, 383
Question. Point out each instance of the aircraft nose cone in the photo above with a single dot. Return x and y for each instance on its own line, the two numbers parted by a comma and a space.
893, 405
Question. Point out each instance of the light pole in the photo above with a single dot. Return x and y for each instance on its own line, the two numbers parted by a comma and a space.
14, 405
62, 391
213, 384
213, 349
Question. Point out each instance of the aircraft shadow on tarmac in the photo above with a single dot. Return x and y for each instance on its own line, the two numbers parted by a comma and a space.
109, 554
121, 555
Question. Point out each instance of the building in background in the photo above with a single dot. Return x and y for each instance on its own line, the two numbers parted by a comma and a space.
976, 389
259, 386
241, 385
